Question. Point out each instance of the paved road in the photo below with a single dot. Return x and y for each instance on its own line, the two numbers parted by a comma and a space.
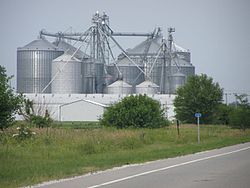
227, 167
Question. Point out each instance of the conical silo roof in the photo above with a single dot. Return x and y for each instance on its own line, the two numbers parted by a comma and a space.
153, 45
148, 83
119, 87
178, 48
147, 87
69, 49
39, 44
66, 58
119, 83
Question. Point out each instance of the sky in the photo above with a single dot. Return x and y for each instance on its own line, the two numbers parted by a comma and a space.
217, 32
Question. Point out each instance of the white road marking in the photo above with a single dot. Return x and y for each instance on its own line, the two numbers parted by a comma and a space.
168, 167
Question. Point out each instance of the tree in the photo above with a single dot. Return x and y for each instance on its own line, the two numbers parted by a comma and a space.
222, 113
41, 121
239, 117
38, 119
27, 109
199, 94
9, 102
138, 111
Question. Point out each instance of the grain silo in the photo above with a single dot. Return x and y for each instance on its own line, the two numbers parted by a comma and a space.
177, 80
108, 79
92, 76
130, 72
67, 75
162, 66
119, 87
158, 58
147, 87
34, 66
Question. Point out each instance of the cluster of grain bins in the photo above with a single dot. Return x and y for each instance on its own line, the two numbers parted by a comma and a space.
44, 67
76, 84
167, 71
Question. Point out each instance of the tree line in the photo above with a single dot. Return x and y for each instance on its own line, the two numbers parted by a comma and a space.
199, 95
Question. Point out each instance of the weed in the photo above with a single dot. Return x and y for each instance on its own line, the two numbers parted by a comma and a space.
65, 152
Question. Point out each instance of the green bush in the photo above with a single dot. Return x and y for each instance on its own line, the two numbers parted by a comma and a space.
24, 132
222, 114
138, 111
239, 117
40, 121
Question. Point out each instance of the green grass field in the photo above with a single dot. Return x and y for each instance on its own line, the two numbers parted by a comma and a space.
64, 152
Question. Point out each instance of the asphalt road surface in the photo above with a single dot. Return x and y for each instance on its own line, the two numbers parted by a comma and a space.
228, 167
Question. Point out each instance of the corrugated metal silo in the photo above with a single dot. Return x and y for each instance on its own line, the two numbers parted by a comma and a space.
147, 87
168, 82
34, 66
131, 74
68, 75
184, 56
157, 72
177, 80
108, 79
184, 62
93, 76
119, 87
161, 75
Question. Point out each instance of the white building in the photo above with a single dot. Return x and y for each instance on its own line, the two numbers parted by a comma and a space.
86, 107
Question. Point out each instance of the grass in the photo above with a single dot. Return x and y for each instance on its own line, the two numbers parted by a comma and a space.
77, 125
63, 152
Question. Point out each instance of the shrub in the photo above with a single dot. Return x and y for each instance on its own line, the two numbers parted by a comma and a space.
138, 111
239, 117
41, 121
23, 133
38, 119
221, 115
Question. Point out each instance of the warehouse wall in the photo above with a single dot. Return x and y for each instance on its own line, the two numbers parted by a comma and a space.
86, 107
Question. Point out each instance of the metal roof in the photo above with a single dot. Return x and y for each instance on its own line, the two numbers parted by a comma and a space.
66, 57
154, 45
119, 83
178, 48
62, 45
148, 84
39, 44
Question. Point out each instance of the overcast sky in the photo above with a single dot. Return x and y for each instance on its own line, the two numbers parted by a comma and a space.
217, 32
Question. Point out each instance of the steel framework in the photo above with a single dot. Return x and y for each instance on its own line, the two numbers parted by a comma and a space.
97, 40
